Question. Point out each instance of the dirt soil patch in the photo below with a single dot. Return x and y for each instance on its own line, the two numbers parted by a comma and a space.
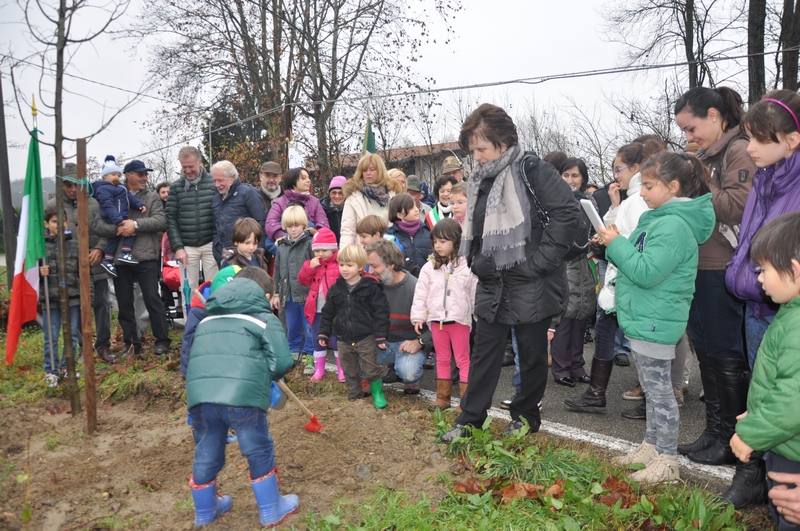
134, 472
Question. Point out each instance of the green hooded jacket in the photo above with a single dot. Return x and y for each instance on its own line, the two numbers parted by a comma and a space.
657, 269
238, 349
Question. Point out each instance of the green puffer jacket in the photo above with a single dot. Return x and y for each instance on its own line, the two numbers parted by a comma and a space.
51, 280
238, 349
657, 268
190, 220
772, 421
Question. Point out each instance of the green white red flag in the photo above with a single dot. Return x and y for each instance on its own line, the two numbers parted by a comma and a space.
30, 249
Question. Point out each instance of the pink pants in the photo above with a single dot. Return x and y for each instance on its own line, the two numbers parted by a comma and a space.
455, 334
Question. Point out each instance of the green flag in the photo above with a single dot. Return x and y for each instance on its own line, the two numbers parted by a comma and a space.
369, 139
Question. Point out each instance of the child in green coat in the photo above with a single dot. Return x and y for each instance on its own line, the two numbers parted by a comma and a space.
770, 423
657, 269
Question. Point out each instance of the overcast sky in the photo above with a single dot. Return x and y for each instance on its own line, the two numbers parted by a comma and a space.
495, 41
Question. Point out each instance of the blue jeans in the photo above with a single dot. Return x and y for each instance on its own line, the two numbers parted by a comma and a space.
297, 327
332, 341
54, 332
407, 366
622, 345
210, 423
754, 330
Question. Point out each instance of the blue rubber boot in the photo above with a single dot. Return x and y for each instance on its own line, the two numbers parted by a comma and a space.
207, 505
272, 507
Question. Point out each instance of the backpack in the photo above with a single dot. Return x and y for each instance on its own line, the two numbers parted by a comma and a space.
580, 244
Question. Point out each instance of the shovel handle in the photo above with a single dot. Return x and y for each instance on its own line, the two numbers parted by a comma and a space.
296, 400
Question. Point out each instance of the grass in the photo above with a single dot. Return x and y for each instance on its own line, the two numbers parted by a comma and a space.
581, 495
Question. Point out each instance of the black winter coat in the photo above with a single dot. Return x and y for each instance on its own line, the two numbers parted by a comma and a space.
242, 201
355, 315
334, 214
536, 289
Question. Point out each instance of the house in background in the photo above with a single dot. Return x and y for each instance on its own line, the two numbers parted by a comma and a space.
423, 161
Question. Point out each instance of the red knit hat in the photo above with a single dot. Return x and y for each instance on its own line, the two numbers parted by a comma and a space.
324, 240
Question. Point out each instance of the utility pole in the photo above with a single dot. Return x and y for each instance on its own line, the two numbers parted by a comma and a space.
9, 233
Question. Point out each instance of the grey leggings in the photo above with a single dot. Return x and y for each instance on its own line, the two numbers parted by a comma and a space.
663, 416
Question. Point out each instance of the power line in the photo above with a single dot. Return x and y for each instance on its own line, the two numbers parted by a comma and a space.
526, 81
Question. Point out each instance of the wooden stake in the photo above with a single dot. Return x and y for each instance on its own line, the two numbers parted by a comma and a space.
86, 293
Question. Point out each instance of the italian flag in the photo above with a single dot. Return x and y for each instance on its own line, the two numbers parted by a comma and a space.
30, 249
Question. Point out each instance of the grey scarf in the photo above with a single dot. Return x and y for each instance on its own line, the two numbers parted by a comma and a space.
507, 223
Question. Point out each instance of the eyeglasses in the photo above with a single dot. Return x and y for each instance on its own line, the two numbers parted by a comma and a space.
619, 169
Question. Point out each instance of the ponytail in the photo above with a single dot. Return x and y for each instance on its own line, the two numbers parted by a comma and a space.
690, 173
725, 100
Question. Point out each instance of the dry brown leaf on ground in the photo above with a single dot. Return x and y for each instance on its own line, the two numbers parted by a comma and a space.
620, 490
149, 484
472, 486
556, 490
521, 490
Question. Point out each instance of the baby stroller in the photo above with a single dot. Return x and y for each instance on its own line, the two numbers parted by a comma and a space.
170, 282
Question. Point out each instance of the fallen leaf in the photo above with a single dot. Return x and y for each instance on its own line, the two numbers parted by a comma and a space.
54, 409
115, 507
555, 491
150, 484
649, 525
521, 490
472, 486
54, 478
242, 467
620, 490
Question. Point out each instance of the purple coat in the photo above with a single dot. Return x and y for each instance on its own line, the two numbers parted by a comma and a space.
776, 191
314, 211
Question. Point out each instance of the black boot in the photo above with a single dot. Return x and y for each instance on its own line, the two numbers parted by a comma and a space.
733, 381
711, 431
594, 399
638, 413
749, 485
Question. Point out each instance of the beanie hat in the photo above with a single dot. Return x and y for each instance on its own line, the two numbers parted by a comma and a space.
224, 276
337, 182
110, 166
324, 240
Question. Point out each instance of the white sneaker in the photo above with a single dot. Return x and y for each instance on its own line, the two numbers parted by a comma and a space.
644, 453
51, 380
662, 468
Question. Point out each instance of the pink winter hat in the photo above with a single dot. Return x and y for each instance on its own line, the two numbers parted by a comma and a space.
324, 240
337, 182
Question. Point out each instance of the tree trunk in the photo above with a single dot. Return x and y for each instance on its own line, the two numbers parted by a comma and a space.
756, 18
66, 325
790, 38
688, 45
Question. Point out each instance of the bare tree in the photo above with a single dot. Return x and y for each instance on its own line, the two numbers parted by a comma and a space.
58, 33
542, 129
671, 30
790, 42
594, 142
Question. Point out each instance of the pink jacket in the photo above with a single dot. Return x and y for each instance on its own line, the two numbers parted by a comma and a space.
444, 294
314, 212
324, 275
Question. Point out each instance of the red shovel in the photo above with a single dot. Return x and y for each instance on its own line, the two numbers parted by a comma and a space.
313, 426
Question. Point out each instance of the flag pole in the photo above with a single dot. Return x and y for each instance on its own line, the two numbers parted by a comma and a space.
35, 113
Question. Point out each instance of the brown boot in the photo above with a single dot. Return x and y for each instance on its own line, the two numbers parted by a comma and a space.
462, 389
444, 390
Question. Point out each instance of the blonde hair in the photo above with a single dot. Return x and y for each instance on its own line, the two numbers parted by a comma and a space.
353, 253
292, 216
459, 188
357, 182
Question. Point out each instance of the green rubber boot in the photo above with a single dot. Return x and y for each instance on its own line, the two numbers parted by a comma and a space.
377, 394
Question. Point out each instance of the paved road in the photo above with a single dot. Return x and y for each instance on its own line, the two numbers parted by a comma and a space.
611, 423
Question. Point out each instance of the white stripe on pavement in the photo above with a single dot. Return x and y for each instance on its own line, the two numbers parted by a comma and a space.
613, 444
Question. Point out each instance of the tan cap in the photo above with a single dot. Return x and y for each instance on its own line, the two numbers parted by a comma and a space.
451, 164
271, 167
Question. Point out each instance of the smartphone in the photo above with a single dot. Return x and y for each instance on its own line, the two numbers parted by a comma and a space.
594, 217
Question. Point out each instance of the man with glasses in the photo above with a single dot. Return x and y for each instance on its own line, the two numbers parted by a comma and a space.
270, 189
190, 219
148, 227
101, 303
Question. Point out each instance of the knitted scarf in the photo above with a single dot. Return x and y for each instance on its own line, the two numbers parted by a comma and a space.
507, 222
409, 227
376, 192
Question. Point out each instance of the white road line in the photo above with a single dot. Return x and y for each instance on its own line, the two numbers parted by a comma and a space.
613, 444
